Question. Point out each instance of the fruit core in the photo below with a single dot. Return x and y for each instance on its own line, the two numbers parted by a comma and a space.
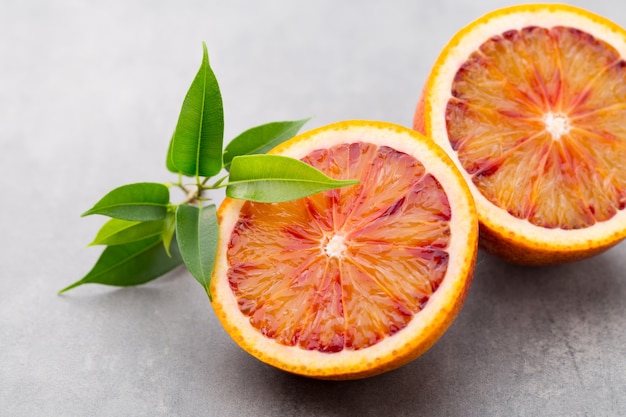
335, 246
557, 124
346, 268
536, 118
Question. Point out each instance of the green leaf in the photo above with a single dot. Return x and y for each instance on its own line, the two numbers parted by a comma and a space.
130, 264
274, 178
118, 232
138, 202
196, 232
196, 147
169, 163
168, 231
261, 139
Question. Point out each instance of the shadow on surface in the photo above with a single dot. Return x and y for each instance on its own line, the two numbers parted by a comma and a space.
565, 290
396, 393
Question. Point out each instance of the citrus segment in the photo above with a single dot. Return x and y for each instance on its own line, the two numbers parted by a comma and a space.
529, 102
395, 205
357, 280
541, 107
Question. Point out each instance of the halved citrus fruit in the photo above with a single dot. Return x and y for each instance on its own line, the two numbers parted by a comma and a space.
530, 103
355, 281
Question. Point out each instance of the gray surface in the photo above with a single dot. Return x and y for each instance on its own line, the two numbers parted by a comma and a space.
89, 94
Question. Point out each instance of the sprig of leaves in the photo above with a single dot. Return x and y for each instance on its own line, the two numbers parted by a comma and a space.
148, 235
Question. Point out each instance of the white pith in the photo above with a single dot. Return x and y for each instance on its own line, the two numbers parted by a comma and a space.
335, 247
557, 124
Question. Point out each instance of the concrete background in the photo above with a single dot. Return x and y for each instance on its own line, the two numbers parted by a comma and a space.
89, 95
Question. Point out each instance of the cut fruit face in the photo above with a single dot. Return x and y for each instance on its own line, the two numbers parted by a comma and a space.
529, 102
354, 281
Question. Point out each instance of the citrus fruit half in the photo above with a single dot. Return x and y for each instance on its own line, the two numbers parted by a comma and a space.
530, 103
354, 281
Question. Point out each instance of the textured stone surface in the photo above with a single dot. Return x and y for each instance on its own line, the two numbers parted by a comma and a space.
89, 95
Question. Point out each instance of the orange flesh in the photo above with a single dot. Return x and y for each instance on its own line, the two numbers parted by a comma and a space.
537, 118
345, 268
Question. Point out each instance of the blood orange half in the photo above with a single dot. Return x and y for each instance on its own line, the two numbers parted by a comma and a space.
355, 281
530, 103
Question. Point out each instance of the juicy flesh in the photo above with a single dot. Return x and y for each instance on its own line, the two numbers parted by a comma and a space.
345, 268
537, 119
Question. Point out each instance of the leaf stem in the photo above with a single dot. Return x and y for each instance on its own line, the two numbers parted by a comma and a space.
69, 287
219, 183
192, 194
